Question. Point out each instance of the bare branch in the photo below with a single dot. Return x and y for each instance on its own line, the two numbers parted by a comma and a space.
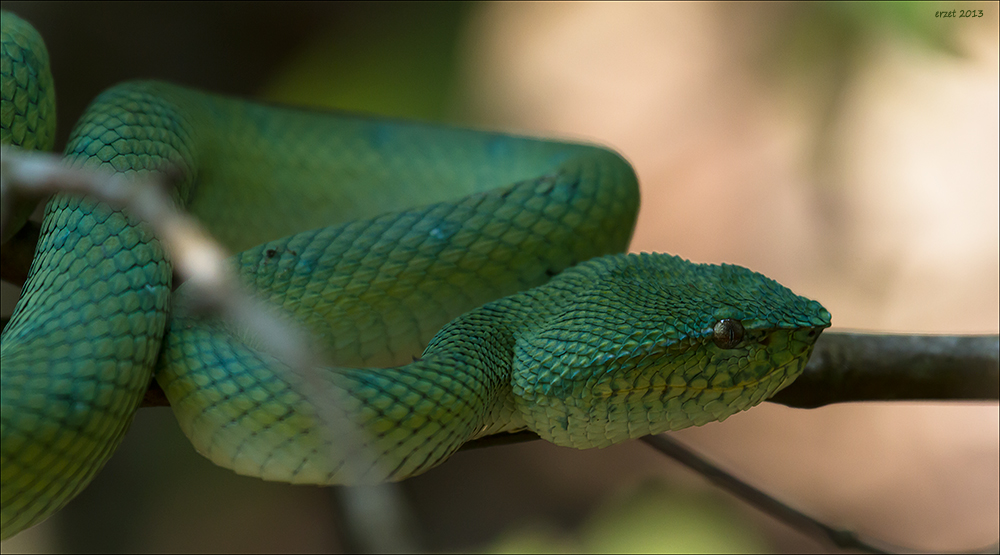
16, 255
847, 367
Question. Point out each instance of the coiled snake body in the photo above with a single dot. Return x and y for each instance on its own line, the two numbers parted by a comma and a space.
506, 273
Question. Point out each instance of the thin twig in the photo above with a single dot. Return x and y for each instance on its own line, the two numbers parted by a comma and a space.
214, 291
844, 539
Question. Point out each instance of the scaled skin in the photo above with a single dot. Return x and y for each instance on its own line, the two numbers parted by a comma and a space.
614, 347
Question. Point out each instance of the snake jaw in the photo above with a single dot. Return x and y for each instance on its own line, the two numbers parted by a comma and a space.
640, 397
647, 395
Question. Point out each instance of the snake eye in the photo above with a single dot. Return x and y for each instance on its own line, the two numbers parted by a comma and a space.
727, 333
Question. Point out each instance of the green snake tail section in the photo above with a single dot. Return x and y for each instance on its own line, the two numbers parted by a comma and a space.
27, 99
375, 292
28, 118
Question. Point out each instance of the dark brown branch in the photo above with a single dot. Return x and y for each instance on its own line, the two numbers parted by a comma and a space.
16, 254
155, 397
847, 367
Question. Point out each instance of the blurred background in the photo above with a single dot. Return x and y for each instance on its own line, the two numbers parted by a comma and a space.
849, 151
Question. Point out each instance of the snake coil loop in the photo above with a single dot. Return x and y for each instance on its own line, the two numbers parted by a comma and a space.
386, 240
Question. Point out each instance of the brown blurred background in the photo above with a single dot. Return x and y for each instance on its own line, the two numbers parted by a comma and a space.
848, 151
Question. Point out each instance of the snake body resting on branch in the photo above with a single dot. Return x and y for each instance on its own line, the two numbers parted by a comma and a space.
514, 243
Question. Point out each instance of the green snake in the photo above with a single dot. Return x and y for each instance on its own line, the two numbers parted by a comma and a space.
500, 303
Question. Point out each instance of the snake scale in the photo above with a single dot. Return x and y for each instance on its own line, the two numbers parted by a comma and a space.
502, 302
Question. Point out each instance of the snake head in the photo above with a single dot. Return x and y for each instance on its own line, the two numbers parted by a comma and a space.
640, 344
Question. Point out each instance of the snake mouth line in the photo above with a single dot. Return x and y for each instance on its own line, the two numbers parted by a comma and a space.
721, 390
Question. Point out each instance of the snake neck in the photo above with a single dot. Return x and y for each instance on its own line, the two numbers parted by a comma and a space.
416, 416
479, 349
476, 352
244, 410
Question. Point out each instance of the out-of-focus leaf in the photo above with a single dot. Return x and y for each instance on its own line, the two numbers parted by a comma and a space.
654, 518
650, 518
393, 59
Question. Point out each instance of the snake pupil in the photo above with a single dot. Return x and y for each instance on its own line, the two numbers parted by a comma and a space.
727, 333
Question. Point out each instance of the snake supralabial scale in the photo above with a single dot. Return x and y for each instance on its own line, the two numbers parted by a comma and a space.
505, 277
